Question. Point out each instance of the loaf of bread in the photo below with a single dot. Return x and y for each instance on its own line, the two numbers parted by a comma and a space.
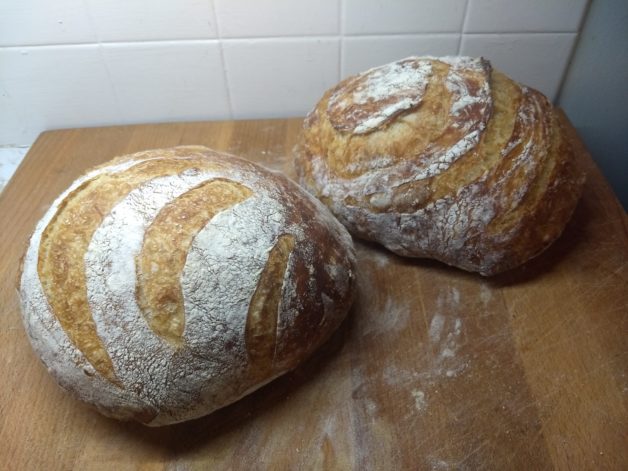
169, 283
443, 158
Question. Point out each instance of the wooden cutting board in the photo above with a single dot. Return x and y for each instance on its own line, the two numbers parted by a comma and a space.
435, 368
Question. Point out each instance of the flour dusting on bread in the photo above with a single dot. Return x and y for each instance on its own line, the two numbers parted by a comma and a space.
459, 176
150, 376
367, 101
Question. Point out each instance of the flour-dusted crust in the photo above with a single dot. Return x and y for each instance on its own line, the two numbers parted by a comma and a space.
169, 283
443, 158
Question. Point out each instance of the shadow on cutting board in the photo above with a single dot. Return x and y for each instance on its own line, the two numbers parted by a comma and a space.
567, 244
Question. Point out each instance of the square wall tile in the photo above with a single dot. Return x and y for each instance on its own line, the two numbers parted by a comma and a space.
245, 18
57, 87
279, 77
156, 82
135, 20
502, 16
537, 60
27, 22
402, 16
362, 53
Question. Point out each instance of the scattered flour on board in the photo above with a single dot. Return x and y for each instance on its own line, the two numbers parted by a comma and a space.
395, 376
485, 294
420, 404
444, 333
436, 327
371, 407
393, 317
437, 464
379, 258
384, 315
442, 360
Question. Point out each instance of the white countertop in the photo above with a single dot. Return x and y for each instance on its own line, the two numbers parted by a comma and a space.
10, 158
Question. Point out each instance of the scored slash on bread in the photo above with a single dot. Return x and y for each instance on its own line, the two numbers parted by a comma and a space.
443, 158
169, 283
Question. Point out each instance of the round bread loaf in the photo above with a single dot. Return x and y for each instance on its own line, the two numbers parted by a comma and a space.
169, 283
442, 158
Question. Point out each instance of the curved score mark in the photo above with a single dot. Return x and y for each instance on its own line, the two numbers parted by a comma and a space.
470, 110
261, 321
362, 103
65, 241
164, 252
518, 169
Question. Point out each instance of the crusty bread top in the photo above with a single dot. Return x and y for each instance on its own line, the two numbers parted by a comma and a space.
442, 158
370, 100
166, 284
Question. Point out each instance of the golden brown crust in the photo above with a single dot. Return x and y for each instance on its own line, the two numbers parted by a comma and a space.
261, 320
363, 102
169, 283
464, 176
67, 237
164, 251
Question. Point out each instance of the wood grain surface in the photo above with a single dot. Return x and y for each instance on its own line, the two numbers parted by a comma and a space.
435, 368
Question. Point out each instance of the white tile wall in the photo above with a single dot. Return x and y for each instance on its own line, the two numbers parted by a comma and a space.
143, 20
403, 16
275, 78
260, 18
499, 16
54, 87
91, 62
183, 81
29, 22
363, 52
537, 60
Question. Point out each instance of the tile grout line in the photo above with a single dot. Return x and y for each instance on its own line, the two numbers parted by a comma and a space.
223, 62
286, 38
463, 25
341, 30
103, 59
572, 52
